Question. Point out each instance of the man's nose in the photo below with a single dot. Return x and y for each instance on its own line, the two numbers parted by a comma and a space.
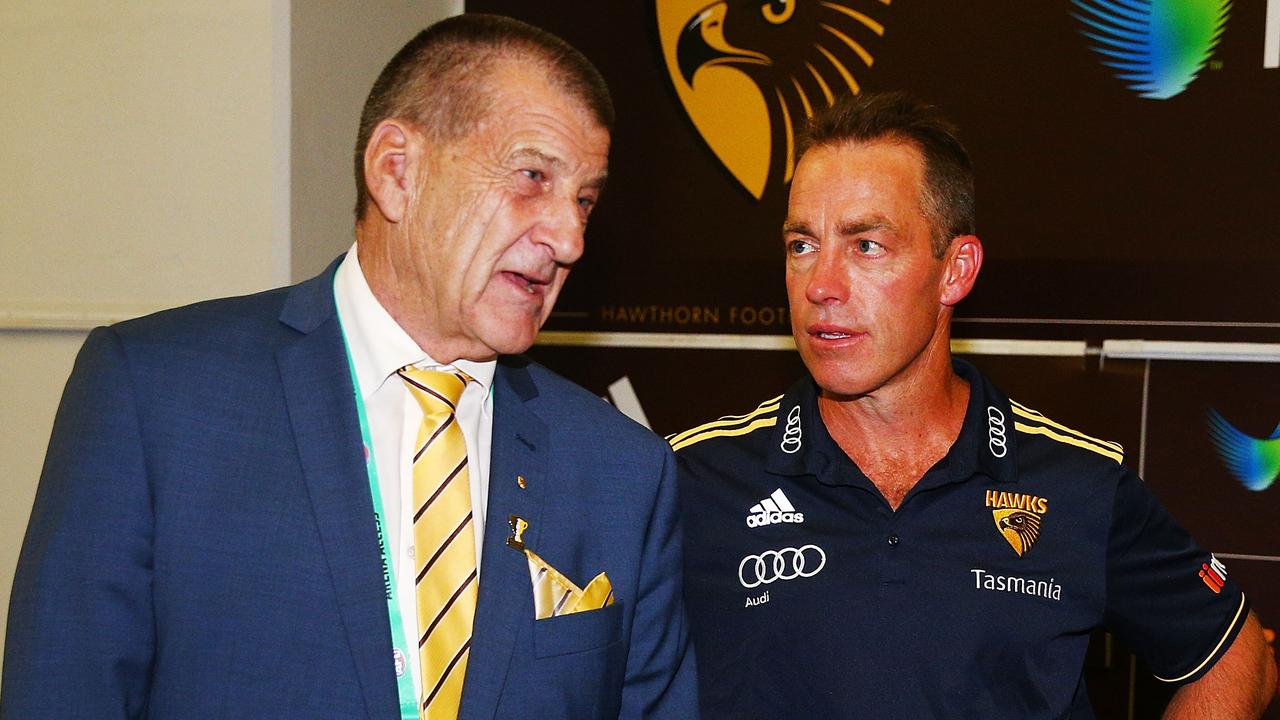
562, 230
827, 281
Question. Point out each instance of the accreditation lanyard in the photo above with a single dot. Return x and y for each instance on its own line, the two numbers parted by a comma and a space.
404, 676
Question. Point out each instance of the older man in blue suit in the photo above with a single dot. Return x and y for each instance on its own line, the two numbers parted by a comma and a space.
350, 498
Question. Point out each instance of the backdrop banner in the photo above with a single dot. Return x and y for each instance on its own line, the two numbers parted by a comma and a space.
1117, 184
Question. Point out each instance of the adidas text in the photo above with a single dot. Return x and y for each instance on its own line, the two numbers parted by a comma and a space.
772, 518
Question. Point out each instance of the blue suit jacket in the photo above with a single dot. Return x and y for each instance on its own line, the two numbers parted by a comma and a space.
203, 544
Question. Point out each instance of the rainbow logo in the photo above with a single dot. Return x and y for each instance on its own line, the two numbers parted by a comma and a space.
1156, 47
1253, 461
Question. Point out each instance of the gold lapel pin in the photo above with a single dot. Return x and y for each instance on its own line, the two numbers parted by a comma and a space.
521, 482
518, 526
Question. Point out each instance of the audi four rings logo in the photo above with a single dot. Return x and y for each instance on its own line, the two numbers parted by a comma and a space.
791, 436
785, 564
995, 429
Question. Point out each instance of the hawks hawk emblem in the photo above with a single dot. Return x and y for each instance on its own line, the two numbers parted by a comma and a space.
1020, 528
751, 72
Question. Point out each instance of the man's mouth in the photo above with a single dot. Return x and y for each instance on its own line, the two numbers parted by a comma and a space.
530, 283
832, 332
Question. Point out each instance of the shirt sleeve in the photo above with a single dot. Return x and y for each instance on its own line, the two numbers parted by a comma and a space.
1168, 599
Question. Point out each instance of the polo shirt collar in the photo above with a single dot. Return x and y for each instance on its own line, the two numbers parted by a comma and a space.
801, 445
987, 444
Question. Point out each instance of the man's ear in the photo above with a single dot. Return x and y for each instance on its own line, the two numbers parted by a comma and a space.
390, 159
962, 263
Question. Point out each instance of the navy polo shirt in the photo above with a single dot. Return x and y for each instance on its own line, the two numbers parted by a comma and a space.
810, 597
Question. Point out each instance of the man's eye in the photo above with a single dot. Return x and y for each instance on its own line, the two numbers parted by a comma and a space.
586, 203
870, 247
799, 247
535, 175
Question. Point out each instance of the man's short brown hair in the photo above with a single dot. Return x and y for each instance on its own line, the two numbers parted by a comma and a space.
947, 198
438, 80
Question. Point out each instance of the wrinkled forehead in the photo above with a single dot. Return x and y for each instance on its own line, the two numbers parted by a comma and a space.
539, 122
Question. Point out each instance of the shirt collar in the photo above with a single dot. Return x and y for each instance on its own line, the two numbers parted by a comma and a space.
378, 345
987, 444
801, 445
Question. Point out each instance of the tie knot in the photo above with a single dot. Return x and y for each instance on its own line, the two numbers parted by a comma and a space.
437, 391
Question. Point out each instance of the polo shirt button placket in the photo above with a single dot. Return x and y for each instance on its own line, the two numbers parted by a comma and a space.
894, 565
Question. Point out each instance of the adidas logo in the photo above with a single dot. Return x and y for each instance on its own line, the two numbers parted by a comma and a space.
772, 510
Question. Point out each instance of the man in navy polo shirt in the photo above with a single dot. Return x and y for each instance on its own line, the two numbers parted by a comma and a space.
894, 537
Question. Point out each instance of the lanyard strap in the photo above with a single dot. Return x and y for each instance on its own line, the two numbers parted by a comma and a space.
404, 676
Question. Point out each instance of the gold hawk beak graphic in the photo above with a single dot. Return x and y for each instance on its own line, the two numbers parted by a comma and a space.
750, 72
1019, 527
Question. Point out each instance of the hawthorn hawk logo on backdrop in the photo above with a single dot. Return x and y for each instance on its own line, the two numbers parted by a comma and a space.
1157, 47
750, 72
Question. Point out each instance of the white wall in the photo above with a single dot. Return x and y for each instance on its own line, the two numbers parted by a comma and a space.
146, 162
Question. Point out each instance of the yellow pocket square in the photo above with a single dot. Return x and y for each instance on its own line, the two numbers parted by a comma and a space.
555, 595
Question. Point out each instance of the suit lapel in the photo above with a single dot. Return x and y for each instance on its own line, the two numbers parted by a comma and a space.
321, 403
519, 448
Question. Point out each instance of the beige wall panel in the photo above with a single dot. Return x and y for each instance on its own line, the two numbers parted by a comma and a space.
136, 162
338, 50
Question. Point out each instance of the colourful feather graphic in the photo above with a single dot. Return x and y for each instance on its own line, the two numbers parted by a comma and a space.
1255, 462
1157, 46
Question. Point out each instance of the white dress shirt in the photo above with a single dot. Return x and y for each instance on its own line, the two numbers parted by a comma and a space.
379, 347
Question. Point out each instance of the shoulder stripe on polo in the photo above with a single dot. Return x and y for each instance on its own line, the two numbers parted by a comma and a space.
767, 406
1213, 653
1028, 413
726, 422
729, 432
1042, 430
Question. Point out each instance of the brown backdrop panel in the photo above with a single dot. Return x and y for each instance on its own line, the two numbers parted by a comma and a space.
1182, 464
1188, 476
1094, 204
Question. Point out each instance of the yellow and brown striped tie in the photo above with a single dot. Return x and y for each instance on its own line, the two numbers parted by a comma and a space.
444, 540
